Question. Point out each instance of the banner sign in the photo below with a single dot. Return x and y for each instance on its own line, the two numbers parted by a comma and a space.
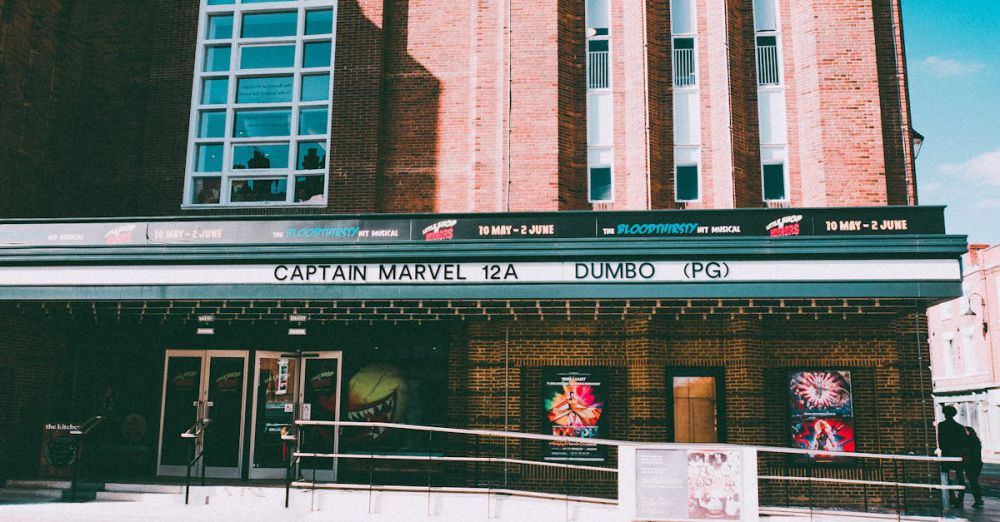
821, 406
488, 273
574, 402
691, 484
775, 223
58, 450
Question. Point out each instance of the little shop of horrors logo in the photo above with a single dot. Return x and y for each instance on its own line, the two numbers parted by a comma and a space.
442, 230
785, 226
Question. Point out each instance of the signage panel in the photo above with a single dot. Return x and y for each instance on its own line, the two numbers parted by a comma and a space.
589, 272
665, 224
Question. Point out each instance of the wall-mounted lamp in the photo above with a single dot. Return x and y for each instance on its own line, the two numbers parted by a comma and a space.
205, 331
918, 142
982, 304
296, 331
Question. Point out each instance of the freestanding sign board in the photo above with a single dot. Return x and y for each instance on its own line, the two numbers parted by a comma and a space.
688, 483
58, 450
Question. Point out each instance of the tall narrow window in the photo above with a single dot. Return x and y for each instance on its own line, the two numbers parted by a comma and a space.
770, 102
695, 402
600, 112
687, 101
261, 106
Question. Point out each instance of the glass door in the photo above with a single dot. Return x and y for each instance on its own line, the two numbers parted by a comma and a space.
320, 401
203, 386
276, 383
290, 386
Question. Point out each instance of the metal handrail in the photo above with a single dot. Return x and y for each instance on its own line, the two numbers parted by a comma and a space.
620, 443
293, 460
900, 483
195, 432
80, 434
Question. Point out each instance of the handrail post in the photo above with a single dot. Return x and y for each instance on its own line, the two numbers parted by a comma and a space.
187, 480
76, 467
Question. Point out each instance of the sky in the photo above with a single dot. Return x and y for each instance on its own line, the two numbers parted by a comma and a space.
953, 60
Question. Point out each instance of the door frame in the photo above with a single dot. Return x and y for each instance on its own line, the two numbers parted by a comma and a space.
203, 384
298, 400
325, 475
719, 374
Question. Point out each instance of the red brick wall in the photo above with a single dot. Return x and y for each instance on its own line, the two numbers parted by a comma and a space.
35, 364
97, 104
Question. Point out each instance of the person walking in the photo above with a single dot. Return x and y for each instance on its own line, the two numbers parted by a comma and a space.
973, 463
953, 443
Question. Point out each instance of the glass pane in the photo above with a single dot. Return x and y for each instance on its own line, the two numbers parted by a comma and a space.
225, 391
597, 14
181, 391
278, 379
319, 22
315, 87
600, 184
267, 56
774, 182
681, 388
270, 24
270, 189
687, 183
206, 190
212, 124
264, 90
309, 189
317, 54
209, 158
260, 157
215, 91
253, 124
702, 387
312, 156
264, 1
313, 121
763, 15
221, 2
703, 420
220, 27
217, 59
682, 421
682, 16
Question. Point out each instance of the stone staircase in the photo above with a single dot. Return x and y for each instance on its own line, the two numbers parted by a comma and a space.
37, 491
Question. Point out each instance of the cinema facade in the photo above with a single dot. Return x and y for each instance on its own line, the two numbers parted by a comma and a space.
686, 326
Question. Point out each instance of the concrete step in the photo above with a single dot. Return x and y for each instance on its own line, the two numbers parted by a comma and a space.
40, 484
153, 498
169, 489
32, 493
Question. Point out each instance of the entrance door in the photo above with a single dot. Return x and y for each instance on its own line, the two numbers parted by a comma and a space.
200, 385
290, 386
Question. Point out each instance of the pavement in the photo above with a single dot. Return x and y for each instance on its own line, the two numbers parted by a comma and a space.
991, 513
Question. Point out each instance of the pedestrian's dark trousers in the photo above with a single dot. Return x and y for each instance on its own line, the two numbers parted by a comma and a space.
958, 480
972, 472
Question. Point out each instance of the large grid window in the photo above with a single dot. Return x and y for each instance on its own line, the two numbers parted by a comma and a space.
260, 117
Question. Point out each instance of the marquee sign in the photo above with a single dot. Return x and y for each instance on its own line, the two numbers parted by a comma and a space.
667, 224
464, 273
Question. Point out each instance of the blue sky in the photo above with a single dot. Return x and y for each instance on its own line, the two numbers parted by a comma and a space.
953, 58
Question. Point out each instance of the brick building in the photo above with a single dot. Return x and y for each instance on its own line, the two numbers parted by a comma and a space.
753, 158
964, 348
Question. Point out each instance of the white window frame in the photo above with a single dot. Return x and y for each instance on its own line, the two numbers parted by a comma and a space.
228, 141
948, 354
688, 164
608, 149
784, 177
694, 55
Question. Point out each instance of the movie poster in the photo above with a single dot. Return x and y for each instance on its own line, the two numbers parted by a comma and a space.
821, 394
831, 434
574, 401
821, 405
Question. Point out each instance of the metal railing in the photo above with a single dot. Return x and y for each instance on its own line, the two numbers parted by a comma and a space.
511, 463
768, 70
80, 434
197, 435
684, 68
598, 74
